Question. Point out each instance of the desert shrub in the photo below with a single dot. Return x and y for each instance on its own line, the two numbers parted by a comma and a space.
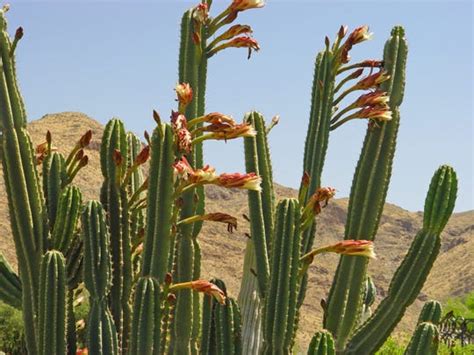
12, 338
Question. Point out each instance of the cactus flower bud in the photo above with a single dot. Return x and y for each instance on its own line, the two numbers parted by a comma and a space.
41, 148
143, 156
184, 140
156, 117
19, 33
48, 137
85, 139
241, 5
84, 161
178, 120
342, 31
168, 278
117, 157
249, 181
185, 94
79, 155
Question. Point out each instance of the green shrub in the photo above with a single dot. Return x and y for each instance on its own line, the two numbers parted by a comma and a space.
12, 337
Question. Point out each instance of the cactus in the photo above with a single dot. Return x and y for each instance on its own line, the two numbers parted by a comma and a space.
10, 284
415, 267
425, 340
113, 156
101, 331
370, 183
155, 223
431, 312
282, 291
321, 344
52, 304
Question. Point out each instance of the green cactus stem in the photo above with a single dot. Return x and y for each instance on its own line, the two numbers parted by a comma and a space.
321, 344
101, 331
115, 201
425, 340
27, 212
54, 175
283, 287
145, 337
10, 284
367, 197
415, 267
431, 312
52, 305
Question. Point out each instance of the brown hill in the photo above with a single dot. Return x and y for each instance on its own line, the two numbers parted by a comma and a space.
452, 275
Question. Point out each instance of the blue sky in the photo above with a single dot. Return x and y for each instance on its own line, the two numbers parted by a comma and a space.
120, 59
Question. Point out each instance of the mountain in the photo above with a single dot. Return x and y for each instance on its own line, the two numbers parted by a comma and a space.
452, 274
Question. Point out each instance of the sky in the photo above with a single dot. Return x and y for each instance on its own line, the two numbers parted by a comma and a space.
119, 59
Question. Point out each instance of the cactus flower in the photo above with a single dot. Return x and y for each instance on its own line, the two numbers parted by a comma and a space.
249, 181
178, 121
201, 13
354, 247
360, 34
376, 113
241, 5
376, 98
224, 131
184, 93
183, 169
203, 286
372, 80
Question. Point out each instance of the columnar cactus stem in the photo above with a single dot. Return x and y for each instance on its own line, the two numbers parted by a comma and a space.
425, 340
101, 331
367, 198
415, 267
321, 344
26, 206
10, 284
52, 305
431, 312
115, 200
283, 287
54, 175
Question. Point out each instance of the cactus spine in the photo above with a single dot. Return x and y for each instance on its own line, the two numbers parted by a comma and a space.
367, 197
321, 344
52, 304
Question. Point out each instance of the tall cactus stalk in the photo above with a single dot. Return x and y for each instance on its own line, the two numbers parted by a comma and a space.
101, 331
415, 267
22, 186
369, 189
114, 197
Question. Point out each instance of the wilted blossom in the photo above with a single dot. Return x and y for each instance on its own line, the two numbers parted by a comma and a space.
223, 218
235, 30
178, 121
237, 42
359, 35
184, 140
322, 195
249, 181
224, 131
203, 286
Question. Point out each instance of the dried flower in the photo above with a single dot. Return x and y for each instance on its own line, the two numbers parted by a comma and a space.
178, 121
237, 42
233, 31
209, 289
184, 140
222, 217
250, 181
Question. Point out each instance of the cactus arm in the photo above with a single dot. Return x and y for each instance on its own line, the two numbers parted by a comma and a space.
414, 269
66, 219
145, 337
425, 340
280, 302
101, 331
431, 312
10, 285
367, 198
322, 343
52, 305
54, 174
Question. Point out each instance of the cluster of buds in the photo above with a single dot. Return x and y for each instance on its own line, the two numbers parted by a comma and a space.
203, 286
221, 127
207, 175
182, 134
315, 204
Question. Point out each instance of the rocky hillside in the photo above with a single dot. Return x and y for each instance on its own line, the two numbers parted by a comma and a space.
452, 275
